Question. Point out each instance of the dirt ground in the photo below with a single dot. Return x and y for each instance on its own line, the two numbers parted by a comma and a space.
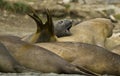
36, 74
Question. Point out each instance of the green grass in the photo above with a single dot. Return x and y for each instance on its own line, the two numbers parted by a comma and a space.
117, 16
17, 7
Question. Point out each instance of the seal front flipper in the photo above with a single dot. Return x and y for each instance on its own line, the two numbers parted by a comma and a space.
40, 27
79, 70
22, 69
38, 21
45, 32
88, 71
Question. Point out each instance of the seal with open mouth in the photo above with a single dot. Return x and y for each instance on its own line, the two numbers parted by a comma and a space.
62, 27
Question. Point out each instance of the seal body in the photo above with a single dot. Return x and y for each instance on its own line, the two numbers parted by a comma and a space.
87, 55
91, 57
8, 62
94, 31
37, 58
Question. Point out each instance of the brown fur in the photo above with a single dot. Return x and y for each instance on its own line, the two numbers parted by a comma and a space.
8, 63
91, 57
37, 58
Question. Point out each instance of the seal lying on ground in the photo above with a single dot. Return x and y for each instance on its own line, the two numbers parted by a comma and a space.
94, 31
91, 57
37, 58
8, 63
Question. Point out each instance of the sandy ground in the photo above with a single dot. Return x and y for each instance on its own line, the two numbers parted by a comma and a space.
36, 74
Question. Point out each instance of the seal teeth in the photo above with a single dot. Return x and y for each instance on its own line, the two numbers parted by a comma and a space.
67, 31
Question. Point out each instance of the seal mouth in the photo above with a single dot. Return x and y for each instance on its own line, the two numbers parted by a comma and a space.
66, 32
69, 27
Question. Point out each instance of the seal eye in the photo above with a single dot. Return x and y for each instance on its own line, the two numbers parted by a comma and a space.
61, 22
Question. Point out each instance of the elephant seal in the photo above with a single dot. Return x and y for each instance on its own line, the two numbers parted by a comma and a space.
42, 34
62, 27
94, 31
8, 63
91, 57
38, 58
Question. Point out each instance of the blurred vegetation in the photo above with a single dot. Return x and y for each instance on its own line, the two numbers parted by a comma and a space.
16, 7
117, 16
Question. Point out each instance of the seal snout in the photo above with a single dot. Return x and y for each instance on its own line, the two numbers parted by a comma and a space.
63, 27
68, 24
67, 30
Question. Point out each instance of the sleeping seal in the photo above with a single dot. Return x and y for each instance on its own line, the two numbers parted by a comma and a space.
38, 58
91, 57
8, 63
